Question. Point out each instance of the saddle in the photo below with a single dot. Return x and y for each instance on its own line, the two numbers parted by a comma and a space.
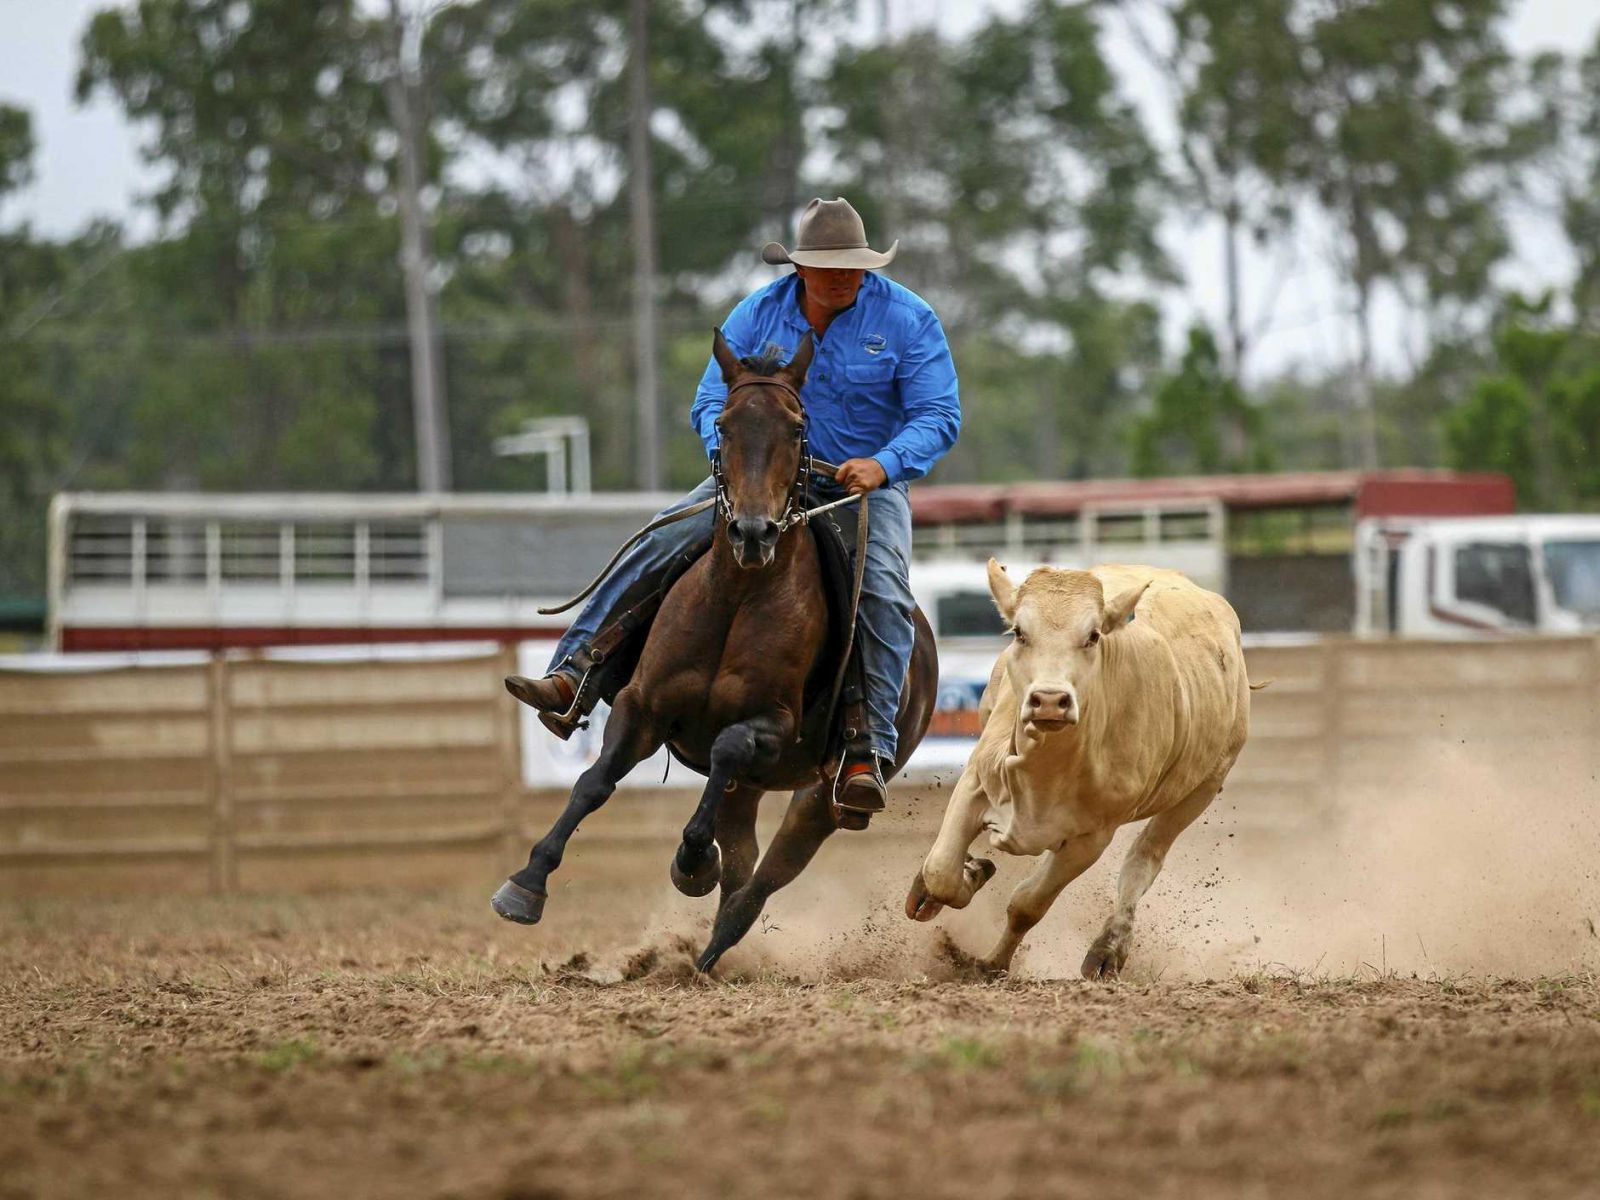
836, 691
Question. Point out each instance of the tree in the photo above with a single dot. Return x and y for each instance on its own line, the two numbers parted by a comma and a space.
1234, 67
541, 91
268, 119
1028, 194
1202, 422
1404, 136
30, 415
1535, 414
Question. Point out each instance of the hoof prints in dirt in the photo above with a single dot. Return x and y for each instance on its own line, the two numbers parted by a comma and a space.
669, 959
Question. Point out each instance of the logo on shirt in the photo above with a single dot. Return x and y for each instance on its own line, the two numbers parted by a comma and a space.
874, 343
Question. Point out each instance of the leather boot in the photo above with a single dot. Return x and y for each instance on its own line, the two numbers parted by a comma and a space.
860, 786
551, 697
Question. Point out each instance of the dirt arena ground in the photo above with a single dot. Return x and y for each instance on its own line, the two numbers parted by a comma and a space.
1276, 1034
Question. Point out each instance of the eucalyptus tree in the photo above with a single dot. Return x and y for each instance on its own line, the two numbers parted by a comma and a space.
31, 419
1234, 70
261, 348
1406, 136
537, 100
1025, 185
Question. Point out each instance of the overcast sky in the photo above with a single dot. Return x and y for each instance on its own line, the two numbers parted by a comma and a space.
88, 165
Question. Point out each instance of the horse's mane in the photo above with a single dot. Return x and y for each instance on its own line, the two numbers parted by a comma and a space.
768, 362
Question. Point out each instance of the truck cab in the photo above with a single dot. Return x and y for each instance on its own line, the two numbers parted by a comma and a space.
1470, 577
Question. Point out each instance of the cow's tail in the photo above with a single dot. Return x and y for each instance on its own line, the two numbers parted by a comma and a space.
1265, 683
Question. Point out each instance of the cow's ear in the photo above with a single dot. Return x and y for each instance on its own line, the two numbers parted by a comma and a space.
726, 358
1119, 611
1003, 590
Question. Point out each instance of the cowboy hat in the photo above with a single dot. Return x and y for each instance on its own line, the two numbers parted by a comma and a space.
830, 234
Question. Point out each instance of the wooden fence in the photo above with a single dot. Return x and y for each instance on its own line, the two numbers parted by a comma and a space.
255, 774
269, 775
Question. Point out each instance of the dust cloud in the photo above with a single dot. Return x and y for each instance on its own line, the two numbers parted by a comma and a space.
1451, 860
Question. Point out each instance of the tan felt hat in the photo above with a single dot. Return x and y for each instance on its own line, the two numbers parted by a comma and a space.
830, 234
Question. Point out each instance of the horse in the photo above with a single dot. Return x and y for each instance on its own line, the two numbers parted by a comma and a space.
722, 677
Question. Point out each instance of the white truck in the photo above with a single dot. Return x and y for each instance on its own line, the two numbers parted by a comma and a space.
1471, 577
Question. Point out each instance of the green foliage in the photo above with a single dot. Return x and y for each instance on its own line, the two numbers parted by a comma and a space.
31, 416
1202, 422
1535, 412
258, 339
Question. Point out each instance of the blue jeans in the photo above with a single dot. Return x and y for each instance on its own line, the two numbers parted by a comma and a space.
886, 633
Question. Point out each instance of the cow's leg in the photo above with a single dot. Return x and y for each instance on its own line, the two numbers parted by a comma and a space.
1109, 952
949, 875
1036, 893
630, 738
805, 827
736, 838
739, 749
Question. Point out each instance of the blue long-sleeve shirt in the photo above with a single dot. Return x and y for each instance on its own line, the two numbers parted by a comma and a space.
882, 384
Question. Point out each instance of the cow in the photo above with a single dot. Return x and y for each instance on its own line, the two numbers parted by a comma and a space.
1122, 697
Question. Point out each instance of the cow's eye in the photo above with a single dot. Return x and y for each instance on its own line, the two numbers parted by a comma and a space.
1093, 639
1021, 638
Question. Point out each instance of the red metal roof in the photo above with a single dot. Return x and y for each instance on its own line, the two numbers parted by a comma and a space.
1411, 492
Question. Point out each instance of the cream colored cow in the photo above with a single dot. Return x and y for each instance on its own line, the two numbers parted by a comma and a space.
1121, 697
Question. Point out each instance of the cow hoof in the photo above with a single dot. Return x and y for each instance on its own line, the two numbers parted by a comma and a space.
919, 905
517, 903
1105, 959
703, 878
980, 871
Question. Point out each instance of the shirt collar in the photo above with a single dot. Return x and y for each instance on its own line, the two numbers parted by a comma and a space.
795, 316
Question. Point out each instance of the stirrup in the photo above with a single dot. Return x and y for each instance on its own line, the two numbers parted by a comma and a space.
563, 724
854, 806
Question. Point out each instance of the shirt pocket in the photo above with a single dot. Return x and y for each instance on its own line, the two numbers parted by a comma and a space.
869, 377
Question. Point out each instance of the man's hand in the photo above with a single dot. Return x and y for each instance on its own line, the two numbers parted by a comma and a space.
862, 475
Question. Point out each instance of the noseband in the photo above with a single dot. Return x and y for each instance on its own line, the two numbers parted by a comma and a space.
796, 510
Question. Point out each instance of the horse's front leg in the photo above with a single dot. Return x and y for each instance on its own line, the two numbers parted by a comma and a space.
737, 751
630, 738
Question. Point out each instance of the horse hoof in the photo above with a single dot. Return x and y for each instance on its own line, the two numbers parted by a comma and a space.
919, 905
703, 878
517, 903
852, 819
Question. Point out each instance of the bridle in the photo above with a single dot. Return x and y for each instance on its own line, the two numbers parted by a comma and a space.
797, 510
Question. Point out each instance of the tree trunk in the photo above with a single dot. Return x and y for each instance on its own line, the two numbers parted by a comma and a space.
644, 250
1366, 414
1235, 288
404, 98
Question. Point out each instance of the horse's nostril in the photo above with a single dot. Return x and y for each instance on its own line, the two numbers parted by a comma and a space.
769, 530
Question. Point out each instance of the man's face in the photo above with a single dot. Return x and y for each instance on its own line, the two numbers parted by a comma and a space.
831, 287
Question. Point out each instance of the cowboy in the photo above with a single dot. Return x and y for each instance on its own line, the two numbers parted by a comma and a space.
880, 400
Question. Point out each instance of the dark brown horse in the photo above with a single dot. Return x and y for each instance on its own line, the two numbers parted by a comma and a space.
723, 676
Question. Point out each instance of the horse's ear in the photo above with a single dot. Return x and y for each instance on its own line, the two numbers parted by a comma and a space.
723, 353
795, 369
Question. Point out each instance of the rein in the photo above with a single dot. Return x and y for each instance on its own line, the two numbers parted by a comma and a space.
794, 516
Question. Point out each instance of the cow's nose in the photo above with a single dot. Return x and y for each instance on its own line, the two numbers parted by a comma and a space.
1050, 707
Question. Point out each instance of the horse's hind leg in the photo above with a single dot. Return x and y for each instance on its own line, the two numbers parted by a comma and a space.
738, 750
629, 739
805, 827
